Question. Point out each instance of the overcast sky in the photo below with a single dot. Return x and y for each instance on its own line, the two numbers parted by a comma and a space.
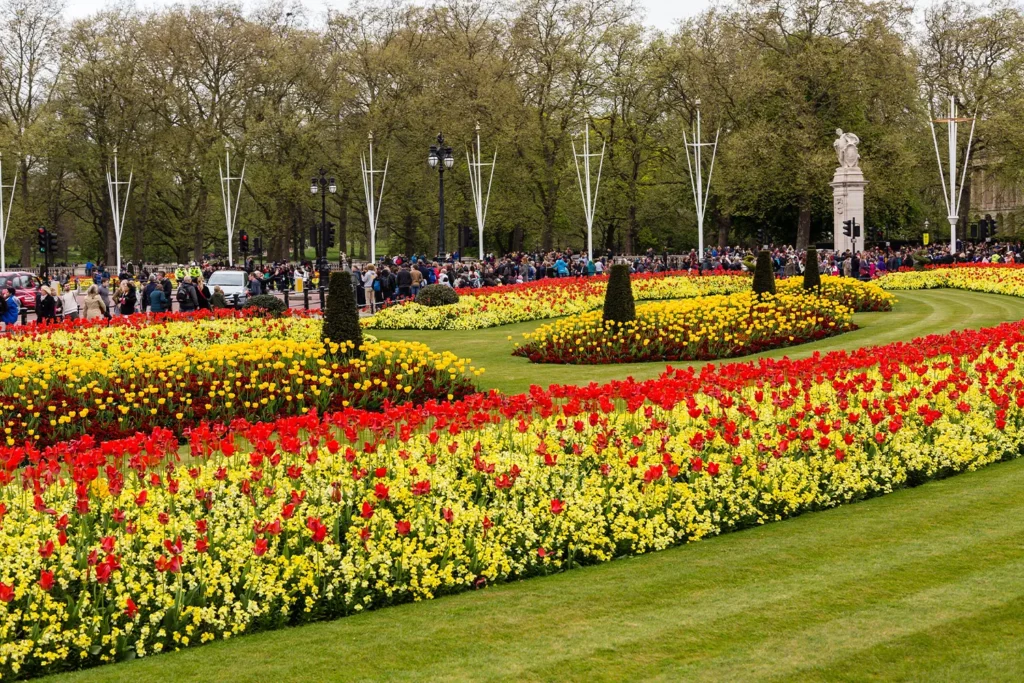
661, 14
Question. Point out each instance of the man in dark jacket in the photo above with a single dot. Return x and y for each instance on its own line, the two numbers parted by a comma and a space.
150, 286
404, 281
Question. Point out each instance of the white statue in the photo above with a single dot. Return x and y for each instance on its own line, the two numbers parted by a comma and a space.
846, 149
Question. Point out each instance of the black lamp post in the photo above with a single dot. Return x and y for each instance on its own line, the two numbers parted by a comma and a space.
322, 184
441, 158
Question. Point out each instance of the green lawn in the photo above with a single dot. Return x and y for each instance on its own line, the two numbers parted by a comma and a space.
924, 584
918, 313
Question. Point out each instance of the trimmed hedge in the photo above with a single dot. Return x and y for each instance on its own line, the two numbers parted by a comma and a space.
764, 277
437, 295
618, 299
812, 276
341, 318
268, 303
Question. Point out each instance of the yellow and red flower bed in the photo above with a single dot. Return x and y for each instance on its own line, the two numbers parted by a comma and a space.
128, 549
707, 328
112, 381
545, 299
990, 278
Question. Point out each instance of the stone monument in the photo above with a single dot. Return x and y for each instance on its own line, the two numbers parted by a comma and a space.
847, 191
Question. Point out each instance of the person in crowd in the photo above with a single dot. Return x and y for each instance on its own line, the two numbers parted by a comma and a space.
188, 299
217, 299
46, 310
93, 306
147, 291
104, 293
370, 286
159, 302
404, 281
255, 286
127, 297
417, 280
10, 307
203, 293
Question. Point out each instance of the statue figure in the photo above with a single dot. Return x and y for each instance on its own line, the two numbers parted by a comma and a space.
846, 149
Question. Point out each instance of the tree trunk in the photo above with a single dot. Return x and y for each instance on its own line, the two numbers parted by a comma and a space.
199, 226
803, 228
409, 232
724, 223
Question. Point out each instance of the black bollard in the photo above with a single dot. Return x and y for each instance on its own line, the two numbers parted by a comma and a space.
321, 298
24, 315
305, 298
287, 303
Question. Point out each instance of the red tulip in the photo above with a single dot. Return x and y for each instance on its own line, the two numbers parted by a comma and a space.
46, 580
557, 506
260, 548
403, 527
130, 608
367, 510
6, 592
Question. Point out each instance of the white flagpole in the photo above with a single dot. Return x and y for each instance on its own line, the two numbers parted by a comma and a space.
119, 212
373, 198
5, 220
230, 209
476, 179
701, 192
588, 196
952, 195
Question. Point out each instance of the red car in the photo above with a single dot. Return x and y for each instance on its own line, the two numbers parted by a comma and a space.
25, 286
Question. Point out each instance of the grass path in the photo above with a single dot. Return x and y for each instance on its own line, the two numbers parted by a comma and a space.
916, 314
924, 584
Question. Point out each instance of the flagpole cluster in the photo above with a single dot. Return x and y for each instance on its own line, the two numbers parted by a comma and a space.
119, 211
230, 210
480, 202
951, 194
5, 220
696, 168
588, 195
373, 198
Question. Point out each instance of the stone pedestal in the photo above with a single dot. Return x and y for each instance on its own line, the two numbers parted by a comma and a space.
848, 202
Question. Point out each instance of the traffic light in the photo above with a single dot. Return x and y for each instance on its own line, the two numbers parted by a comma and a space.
328, 235
43, 237
243, 242
762, 236
848, 228
992, 227
314, 238
51, 242
856, 228
257, 245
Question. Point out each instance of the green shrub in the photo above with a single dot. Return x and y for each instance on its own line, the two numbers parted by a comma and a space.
618, 299
341, 317
812, 277
764, 277
921, 259
268, 303
437, 295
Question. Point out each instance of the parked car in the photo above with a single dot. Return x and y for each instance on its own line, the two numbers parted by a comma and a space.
232, 282
25, 286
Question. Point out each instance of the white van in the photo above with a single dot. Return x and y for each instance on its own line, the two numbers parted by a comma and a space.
232, 283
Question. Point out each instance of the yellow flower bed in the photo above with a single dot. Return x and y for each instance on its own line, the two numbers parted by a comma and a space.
988, 278
542, 300
108, 382
696, 329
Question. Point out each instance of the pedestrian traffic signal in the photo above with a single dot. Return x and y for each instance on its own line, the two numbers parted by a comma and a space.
257, 245
51, 242
44, 242
243, 242
848, 228
328, 235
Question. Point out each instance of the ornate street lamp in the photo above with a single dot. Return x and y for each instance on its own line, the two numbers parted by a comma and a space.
441, 158
321, 185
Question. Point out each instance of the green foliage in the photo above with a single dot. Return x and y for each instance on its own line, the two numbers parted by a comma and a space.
618, 299
267, 303
437, 295
921, 259
764, 276
341, 318
812, 276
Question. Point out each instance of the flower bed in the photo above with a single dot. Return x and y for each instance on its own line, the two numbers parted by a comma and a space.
113, 381
706, 328
123, 549
991, 278
545, 299
858, 296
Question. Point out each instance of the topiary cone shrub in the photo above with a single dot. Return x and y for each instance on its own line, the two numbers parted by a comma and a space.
764, 277
618, 299
341, 317
268, 304
812, 276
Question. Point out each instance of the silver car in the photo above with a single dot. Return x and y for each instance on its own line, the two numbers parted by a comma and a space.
232, 283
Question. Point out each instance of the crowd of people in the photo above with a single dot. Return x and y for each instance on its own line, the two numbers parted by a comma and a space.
146, 288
